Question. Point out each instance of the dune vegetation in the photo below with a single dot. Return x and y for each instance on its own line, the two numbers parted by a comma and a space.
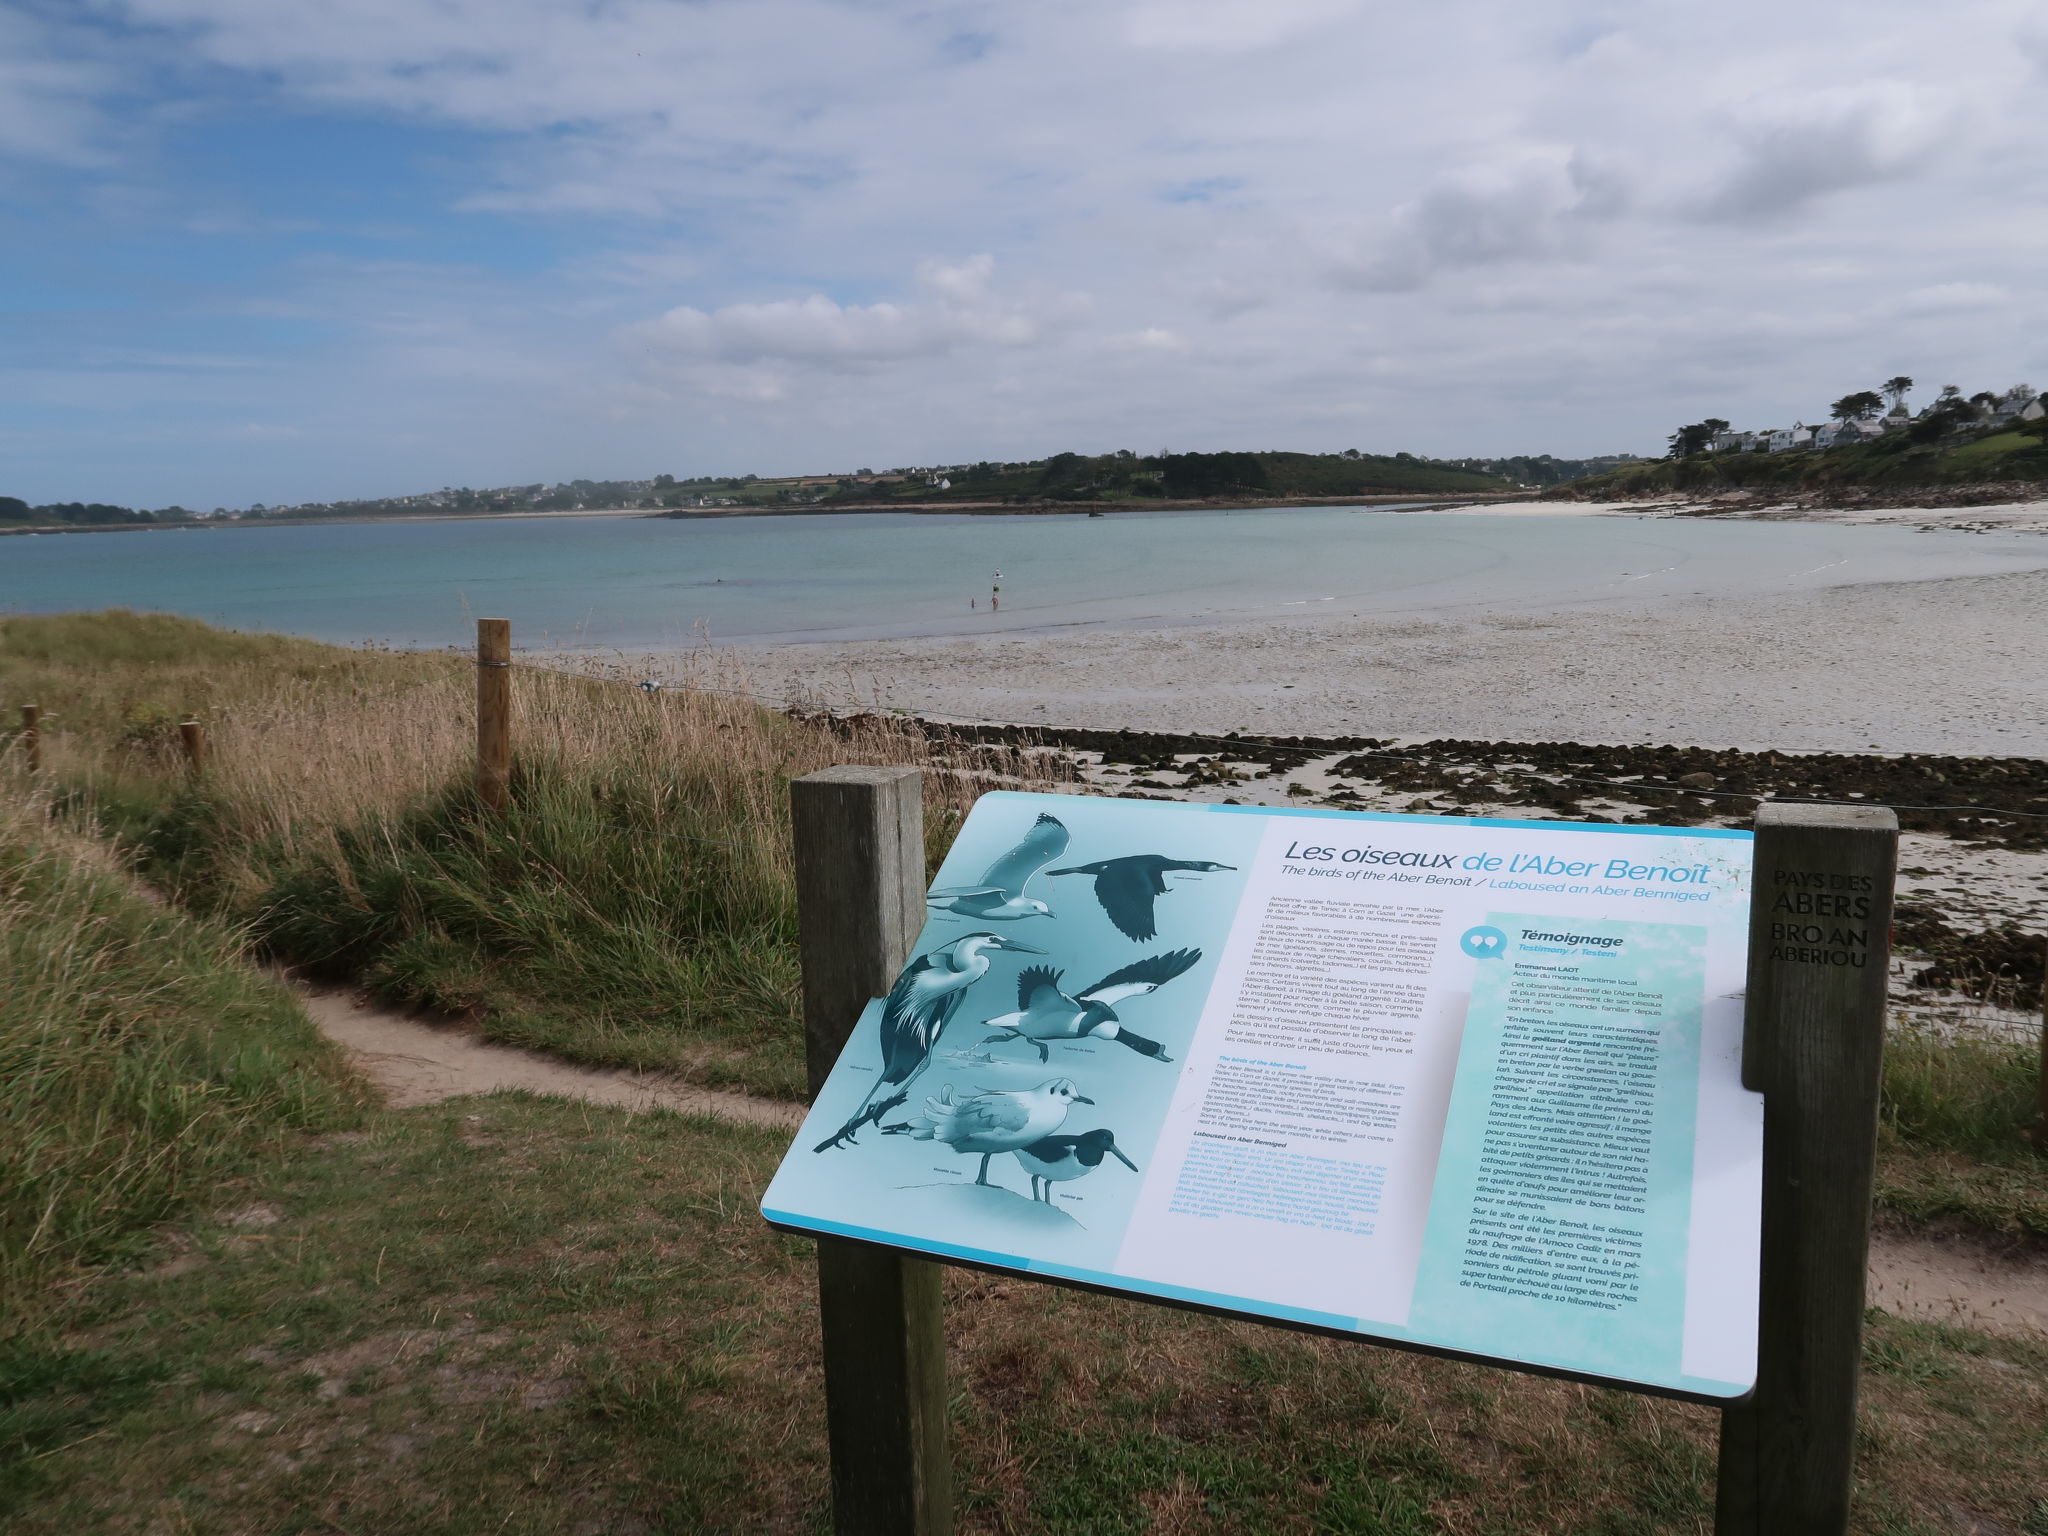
243, 1297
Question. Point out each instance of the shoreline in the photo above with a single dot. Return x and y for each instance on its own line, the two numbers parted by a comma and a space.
1946, 665
1407, 500
1941, 511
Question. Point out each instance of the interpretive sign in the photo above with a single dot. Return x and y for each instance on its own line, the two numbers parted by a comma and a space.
1468, 1085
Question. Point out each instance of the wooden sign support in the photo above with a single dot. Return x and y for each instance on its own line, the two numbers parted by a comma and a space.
32, 737
493, 711
858, 835
1813, 1044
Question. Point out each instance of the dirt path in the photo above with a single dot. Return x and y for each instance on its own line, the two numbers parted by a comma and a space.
416, 1062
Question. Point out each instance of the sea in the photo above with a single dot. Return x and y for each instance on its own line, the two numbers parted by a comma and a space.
638, 583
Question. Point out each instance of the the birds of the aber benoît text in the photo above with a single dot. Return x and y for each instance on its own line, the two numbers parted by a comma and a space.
1055, 1159
1044, 1012
994, 1121
999, 897
924, 999
1127, 887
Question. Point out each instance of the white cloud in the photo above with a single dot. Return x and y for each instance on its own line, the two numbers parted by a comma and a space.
48, 107
1536, 203
1951, 298
956, 308
1798, 147
1152, 338
1494, 224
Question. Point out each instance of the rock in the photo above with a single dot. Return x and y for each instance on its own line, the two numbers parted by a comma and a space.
1697, 780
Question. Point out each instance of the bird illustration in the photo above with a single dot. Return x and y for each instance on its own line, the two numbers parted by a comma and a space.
1045, 1013
993, 1121
1055, 1159
1000, 895
1126, 888
925, 997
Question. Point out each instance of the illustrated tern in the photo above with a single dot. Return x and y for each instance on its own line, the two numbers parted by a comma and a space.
1047, 1013
924, 999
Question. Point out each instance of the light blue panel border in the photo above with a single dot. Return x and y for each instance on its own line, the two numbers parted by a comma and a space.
1320, 813
1699, 1385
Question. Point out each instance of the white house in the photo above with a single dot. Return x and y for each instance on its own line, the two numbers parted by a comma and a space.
1798, 435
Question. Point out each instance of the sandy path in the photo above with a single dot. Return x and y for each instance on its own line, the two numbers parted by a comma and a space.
420, 1063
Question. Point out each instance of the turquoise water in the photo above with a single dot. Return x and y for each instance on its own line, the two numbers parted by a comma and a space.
635, 583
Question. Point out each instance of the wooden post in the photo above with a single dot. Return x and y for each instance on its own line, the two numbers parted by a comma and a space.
193, 735
1813, 1044
493, 711
32, 737
2041, 1117
858, 836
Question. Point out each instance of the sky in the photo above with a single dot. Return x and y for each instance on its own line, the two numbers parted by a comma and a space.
283, 250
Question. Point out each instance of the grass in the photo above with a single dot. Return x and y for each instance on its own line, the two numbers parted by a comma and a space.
515, 1315
139, 1057
526, 1316
633, 906
1953, 1143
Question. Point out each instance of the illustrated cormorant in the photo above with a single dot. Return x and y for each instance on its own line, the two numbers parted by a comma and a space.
1128, 886
993, 1121
1056, 1159
1046, 1013
925, 997
1000, 895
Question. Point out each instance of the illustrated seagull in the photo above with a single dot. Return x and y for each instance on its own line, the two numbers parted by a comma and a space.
1000, 895
992, 1121
1055, 1159
1126, 888
1046, 1013
925, 997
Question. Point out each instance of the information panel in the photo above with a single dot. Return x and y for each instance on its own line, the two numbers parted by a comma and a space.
1468, 1084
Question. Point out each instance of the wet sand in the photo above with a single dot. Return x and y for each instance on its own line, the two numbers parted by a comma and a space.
1957, 665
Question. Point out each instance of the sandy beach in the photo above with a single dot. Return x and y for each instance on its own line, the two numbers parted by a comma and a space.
1954, 665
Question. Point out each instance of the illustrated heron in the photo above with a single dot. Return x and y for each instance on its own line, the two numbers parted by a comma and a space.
924, 999
1044, 1012
995, 1121
999, 897
1055, 1159
1127, 887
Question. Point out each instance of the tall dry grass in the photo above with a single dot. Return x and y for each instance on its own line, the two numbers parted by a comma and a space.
139, 1054
633, 905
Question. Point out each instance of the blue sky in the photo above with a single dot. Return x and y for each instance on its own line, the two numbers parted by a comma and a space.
270, 250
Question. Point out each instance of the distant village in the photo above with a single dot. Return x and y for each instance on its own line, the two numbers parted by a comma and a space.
1862, 417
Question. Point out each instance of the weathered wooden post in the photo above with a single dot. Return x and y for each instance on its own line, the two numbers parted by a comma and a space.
493, 711
193, 735
1813, 1044
32, 737
858, 837
2041, 1114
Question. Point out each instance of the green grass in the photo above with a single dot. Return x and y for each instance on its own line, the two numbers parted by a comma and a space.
1953, 1145
633, 906
510, 1314
139, 1057
2016, 454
